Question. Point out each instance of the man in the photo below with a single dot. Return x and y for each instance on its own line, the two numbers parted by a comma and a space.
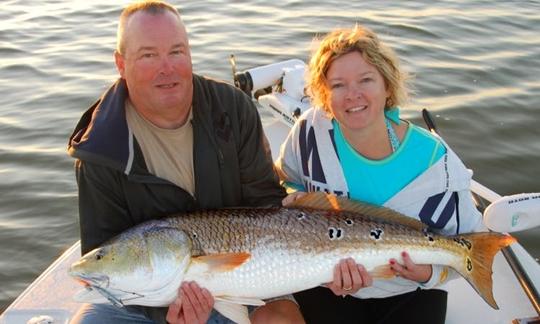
163, 140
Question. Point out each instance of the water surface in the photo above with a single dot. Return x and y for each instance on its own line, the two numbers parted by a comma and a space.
476, 67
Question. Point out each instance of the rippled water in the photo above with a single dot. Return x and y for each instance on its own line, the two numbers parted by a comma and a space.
477, 67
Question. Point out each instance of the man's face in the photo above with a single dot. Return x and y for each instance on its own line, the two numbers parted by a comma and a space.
156, 63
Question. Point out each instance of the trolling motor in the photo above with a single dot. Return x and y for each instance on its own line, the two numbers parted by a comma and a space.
278, 86
268, 75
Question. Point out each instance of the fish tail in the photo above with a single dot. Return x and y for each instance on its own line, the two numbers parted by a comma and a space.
478, 262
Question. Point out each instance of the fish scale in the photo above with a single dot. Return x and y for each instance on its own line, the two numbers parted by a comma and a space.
243, 255
254, 227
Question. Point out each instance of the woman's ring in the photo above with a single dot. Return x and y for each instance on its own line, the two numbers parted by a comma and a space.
347, 288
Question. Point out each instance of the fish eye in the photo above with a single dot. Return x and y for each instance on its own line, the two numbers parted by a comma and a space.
99, 255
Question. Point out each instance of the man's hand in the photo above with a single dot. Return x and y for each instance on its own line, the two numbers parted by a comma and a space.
192, 305
349, 277
409, 270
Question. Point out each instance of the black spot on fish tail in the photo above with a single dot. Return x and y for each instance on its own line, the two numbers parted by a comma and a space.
463, 242
469, 265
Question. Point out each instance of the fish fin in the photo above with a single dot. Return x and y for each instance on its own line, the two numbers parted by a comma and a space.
241, 300
316, 200
382, 272
477, 264
223, 261
235, 312
324, 201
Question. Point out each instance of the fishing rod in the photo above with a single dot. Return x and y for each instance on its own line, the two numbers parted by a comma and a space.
507, 214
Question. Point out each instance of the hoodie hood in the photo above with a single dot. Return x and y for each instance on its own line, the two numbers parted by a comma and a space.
102, 135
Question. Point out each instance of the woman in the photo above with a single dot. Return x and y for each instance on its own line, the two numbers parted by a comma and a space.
352, 143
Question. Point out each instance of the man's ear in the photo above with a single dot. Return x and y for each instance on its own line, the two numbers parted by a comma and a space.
120, 64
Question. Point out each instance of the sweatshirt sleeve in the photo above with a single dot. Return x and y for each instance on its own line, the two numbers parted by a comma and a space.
471, 217
440, 274
287, 162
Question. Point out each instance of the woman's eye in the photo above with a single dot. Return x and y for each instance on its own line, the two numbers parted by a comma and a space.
336, 86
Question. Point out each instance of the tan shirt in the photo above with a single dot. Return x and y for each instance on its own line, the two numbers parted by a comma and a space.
168, 153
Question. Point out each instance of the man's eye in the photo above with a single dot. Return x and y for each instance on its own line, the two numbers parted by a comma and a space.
148, 55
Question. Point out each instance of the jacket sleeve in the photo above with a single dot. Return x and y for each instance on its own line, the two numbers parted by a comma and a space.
102, 209
259, 181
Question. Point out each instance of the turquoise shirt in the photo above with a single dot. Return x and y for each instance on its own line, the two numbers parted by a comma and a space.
376, 181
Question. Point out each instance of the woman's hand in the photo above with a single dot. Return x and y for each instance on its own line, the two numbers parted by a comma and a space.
349, 277
292, 197
192, 305
409, 270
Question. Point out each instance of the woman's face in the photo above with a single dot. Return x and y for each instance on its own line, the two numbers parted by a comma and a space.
357, 92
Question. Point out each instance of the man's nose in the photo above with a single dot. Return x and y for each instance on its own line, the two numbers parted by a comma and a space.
166, 66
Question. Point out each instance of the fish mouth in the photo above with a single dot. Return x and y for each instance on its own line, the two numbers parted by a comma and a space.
101, 281
100, 284
92, 284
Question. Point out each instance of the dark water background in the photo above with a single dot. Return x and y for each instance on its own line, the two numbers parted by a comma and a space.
477, 67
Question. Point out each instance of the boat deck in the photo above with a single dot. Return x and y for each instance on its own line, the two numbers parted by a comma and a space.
50, 294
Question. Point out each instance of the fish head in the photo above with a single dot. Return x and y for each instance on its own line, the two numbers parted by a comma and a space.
136, 264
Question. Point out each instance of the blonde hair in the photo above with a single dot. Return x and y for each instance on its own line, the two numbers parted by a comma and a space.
153, 7
361, 39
